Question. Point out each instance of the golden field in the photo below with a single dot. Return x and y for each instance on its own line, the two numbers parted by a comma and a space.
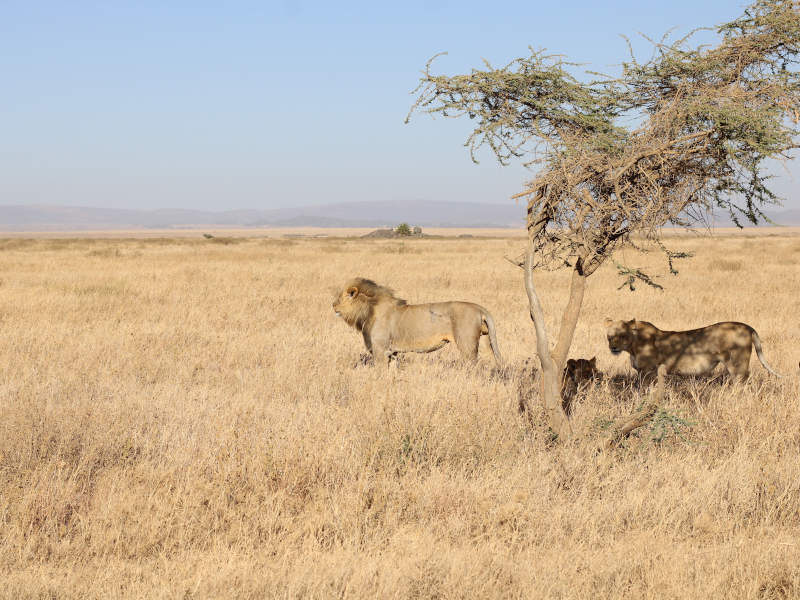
187, 418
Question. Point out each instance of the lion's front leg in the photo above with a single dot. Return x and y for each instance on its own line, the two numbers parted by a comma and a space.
382, 352
647, 378
383, 357
368, 342
391, 355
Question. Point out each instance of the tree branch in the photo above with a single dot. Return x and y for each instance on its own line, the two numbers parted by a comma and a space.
643, 416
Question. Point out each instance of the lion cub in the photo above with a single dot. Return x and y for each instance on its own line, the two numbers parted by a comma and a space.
578, 373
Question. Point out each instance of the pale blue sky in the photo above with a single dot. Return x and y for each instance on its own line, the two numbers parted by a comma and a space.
266, 104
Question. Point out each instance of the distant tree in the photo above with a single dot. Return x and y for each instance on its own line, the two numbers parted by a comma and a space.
403, 229
666, 142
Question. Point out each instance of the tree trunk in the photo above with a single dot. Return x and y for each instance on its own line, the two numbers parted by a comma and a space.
569, 319
551, 372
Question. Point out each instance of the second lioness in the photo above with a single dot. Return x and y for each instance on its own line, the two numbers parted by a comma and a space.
390, 325
693, 352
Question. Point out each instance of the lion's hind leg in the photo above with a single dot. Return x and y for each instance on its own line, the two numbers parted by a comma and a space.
467, 340
737, 362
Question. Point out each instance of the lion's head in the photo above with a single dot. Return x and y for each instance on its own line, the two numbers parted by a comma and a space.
358, 299
581, 369
577, 373
620, 335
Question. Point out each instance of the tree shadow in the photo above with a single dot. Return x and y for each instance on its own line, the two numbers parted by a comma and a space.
683, 387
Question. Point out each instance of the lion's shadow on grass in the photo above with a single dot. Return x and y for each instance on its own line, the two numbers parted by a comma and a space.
492, 372
620, 388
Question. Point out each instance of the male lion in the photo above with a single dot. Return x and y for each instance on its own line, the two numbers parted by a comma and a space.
694, 352
389, 325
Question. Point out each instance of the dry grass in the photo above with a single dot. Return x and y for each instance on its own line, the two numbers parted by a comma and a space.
185, 419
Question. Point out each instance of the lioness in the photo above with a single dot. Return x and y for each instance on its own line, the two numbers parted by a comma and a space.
389, 325
694, 352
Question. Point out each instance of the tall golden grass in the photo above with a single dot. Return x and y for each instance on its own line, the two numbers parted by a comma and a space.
181, 418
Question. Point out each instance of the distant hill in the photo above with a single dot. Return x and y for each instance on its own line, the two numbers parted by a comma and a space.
348, 214
780, 217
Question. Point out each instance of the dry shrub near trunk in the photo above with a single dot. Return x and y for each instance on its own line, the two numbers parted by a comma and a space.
642, 416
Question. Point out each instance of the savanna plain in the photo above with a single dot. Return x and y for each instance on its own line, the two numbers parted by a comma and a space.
187, 417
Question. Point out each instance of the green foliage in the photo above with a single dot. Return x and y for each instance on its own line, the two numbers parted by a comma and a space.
631, 276
602, 423
529, 98
403, 229
665, 424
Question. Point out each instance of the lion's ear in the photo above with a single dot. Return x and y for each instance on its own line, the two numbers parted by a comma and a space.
352, 292
593, 361
634, 324
608, 322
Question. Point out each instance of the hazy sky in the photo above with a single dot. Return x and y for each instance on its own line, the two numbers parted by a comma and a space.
266, 104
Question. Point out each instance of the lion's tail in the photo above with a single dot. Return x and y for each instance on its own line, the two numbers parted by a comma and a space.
760, 353
487, 318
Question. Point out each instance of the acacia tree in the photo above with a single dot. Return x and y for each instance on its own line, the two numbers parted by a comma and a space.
705, 120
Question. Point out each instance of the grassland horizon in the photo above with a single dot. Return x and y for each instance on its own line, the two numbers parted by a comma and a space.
352, 232
187, 418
